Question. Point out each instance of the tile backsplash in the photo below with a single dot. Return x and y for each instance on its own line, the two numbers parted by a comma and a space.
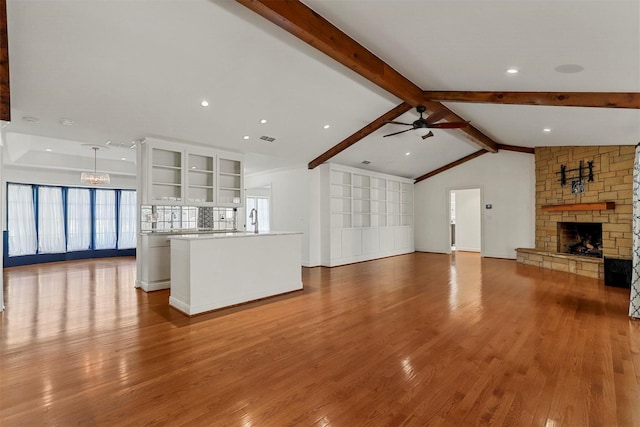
167, 218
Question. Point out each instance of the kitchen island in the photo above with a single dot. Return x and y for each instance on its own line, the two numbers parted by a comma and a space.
212, 271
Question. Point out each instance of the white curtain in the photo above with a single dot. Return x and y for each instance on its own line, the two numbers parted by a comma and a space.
51, 238
21, 221
78, 219
127, 220
634, 305
105, 219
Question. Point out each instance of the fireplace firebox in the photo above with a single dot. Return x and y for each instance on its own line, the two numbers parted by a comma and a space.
580, 238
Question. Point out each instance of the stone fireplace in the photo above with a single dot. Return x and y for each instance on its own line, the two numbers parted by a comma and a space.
580, 238
606, 203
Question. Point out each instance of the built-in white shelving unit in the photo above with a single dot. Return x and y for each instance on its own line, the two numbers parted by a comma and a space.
201, 178
230, 181
182, 174
368, 215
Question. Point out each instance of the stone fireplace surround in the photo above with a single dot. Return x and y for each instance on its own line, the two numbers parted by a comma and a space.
613, 173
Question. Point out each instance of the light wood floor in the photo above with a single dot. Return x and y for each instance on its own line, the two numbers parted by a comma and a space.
420, 339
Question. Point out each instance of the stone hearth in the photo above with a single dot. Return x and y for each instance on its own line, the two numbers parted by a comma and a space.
612, 173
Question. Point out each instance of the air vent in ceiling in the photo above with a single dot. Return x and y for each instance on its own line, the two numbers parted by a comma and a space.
267, 138
365, 162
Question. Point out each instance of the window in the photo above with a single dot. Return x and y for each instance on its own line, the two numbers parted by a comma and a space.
54, 221
127, 219
78, 219
21, 221
261, 204
51, 238
105, 219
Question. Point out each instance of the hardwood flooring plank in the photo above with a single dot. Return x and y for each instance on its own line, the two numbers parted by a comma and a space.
414, 340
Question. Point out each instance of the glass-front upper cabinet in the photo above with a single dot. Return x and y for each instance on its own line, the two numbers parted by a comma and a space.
201, 178
165, 174
230, 182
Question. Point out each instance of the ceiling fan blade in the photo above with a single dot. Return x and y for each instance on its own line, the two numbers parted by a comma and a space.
398, 123
436, 116
448, 125
427, 135
395, 133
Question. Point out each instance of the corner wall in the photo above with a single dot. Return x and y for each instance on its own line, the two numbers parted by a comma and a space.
294, 205
507, 182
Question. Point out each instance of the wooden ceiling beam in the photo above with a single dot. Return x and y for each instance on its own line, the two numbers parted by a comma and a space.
5, 95
450, 165
302, 22
558, 99
367, 130
517, 148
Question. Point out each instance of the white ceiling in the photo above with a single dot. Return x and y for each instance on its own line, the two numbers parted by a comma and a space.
123, 70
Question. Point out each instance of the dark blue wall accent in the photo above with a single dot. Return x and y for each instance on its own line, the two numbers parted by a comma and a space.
15, 261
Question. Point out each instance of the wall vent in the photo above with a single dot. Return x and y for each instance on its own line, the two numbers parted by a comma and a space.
267, 138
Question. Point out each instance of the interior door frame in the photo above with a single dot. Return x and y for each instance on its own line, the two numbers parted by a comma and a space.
448, 215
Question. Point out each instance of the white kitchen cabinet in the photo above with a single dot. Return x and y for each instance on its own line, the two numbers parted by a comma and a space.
153, 261
183, 174
165, 174
201, 178
230, 181
366, 215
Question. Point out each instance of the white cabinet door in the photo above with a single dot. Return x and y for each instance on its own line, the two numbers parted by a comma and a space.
351, 242
401, 237
386, 239
336, 244
370, 240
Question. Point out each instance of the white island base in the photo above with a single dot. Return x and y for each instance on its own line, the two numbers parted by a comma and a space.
212, 271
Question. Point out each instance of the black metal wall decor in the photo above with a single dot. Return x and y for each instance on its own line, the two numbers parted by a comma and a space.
577, 178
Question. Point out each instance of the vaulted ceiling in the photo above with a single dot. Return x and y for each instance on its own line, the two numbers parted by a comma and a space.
129, 69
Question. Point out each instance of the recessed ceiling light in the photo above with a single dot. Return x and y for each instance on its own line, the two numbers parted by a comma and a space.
31, 119
546, 130
407, 153
204, 103
512, 71
123, 158
108, 142
263, 121
66, 122
245, 137
326, 126
193, 167
48, 150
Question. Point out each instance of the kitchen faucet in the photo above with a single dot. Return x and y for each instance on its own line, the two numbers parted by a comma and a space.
253, 216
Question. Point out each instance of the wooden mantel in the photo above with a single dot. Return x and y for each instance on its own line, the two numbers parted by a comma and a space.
580, 206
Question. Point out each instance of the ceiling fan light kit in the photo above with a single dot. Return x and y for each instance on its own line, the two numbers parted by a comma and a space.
429, 122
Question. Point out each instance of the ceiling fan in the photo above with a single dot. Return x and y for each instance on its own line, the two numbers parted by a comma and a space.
429, 122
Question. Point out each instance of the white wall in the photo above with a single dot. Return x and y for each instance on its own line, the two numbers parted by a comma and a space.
468, 218
293, 201
507, 180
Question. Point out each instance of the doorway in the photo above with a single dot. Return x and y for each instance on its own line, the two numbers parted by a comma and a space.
465, 220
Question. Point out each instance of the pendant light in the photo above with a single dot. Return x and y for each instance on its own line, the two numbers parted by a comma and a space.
95, 177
